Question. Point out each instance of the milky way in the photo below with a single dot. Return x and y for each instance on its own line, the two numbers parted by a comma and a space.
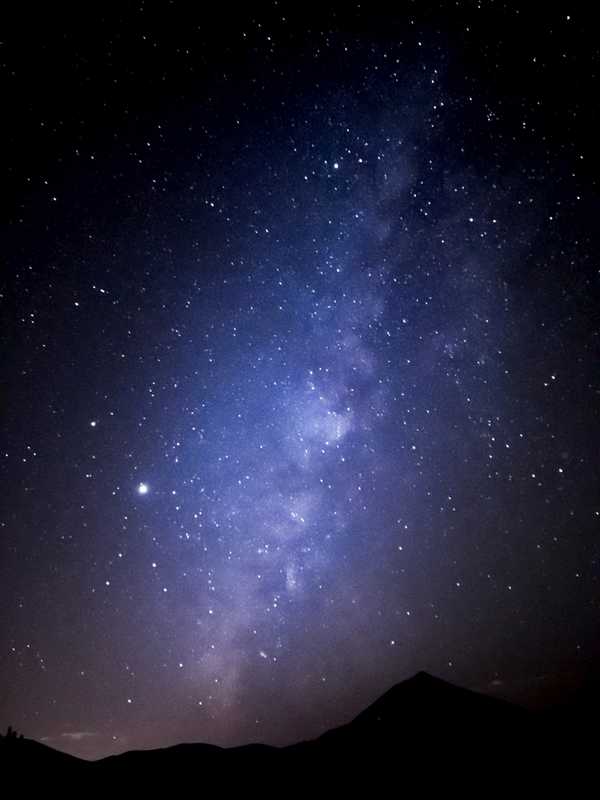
300, 370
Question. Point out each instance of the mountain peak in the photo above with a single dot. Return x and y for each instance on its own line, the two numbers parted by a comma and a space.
420, 681
423, 677
424, 700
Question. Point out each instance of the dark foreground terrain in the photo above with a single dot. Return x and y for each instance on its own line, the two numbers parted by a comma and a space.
423, 734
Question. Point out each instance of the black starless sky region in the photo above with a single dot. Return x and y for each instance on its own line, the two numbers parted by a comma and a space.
299, 363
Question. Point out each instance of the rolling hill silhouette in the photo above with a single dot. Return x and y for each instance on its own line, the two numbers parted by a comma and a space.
422, 731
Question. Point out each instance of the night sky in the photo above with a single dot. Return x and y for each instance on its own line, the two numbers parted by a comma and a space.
300, 349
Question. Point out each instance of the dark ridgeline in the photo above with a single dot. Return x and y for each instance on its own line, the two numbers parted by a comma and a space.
422, 733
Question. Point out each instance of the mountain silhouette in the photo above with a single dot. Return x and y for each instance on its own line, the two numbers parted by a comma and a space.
422, 731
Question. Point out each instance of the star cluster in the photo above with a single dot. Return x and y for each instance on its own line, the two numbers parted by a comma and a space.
300, 367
